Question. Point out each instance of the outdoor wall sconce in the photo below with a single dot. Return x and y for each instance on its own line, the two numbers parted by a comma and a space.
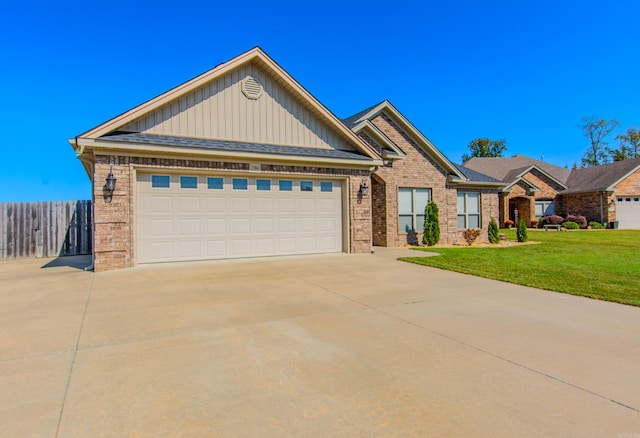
110, 186
364, 187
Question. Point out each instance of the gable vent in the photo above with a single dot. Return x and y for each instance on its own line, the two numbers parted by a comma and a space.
251, 88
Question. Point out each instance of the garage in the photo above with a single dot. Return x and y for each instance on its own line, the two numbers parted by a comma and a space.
628, 212
200, 217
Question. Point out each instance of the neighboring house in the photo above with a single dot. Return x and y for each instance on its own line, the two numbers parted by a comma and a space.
242, 161
609, 193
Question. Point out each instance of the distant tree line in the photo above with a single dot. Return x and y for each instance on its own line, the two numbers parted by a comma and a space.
599, 152
596, 130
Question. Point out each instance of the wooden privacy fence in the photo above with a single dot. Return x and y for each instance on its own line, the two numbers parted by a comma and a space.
45, 229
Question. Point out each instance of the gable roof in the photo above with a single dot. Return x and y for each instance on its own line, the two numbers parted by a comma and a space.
476, 177
260, 58
355, 122
510, 169
600, 178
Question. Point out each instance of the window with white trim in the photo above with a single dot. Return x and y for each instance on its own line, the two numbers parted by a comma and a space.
468, 210
411, 205
544, 208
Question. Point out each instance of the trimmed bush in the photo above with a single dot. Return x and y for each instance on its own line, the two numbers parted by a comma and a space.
431, 224
596, 225
578, 219
470, 235
553, 219
570, 225
494, 231
521, 232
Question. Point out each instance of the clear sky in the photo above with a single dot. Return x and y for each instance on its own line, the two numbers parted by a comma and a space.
526, 71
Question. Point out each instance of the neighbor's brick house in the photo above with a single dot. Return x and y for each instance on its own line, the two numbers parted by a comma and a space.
242, 161
609, 193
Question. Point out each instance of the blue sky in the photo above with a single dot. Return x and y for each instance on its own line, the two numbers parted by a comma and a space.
526, 71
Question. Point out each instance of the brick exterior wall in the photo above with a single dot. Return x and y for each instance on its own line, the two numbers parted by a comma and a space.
593, 206
524, 199
114, 222
418, 170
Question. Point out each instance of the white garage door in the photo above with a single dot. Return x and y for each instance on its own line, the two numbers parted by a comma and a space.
628, 212
198, 217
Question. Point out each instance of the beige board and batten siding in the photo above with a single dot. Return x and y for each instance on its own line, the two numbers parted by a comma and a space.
220, 109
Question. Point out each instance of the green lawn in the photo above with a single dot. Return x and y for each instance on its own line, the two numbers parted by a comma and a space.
601, 264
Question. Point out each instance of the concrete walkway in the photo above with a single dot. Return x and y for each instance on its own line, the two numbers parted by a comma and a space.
334, 345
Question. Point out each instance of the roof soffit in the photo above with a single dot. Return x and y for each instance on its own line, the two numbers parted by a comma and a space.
263, 61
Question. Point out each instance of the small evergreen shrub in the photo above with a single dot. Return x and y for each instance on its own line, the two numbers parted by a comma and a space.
578, 219
431, 224
570, 225
553, 219
596, 225
470, 235
521, 232
494, 231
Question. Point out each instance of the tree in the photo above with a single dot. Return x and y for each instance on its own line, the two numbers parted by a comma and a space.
521, 232
596, 130
485, 147
494, 231
431, 224
629, 146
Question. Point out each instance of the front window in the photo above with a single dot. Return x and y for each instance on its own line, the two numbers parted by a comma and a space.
468, 210
544, 208
411, 205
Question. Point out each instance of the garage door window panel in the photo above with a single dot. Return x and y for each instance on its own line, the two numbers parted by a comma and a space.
188, 182
326, 186
285, 185
240, 184
306, 186
215, 183
263, 184
160, 181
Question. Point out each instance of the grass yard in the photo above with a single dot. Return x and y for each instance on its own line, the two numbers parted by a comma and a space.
598, 264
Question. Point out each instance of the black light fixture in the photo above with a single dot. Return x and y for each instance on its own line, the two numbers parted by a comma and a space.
109, 187
364, 187
111, 181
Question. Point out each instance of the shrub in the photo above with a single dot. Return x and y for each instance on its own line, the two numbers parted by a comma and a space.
494, 232
431, 224
553, 219
570, 225
470, 235
578, 219
596, 225
521, 232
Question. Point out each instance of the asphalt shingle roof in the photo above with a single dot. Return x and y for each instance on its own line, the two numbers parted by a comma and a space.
226, 145
503, 168
597, 178
474, 176
352, 121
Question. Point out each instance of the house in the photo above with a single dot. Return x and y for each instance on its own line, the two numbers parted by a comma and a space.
609, 193
415, 172
242, 161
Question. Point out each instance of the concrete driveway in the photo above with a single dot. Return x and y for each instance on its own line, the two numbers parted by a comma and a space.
334, 345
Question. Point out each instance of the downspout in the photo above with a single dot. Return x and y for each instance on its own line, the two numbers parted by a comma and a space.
601, 208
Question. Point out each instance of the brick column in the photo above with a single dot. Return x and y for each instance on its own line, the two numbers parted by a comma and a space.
112, 220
